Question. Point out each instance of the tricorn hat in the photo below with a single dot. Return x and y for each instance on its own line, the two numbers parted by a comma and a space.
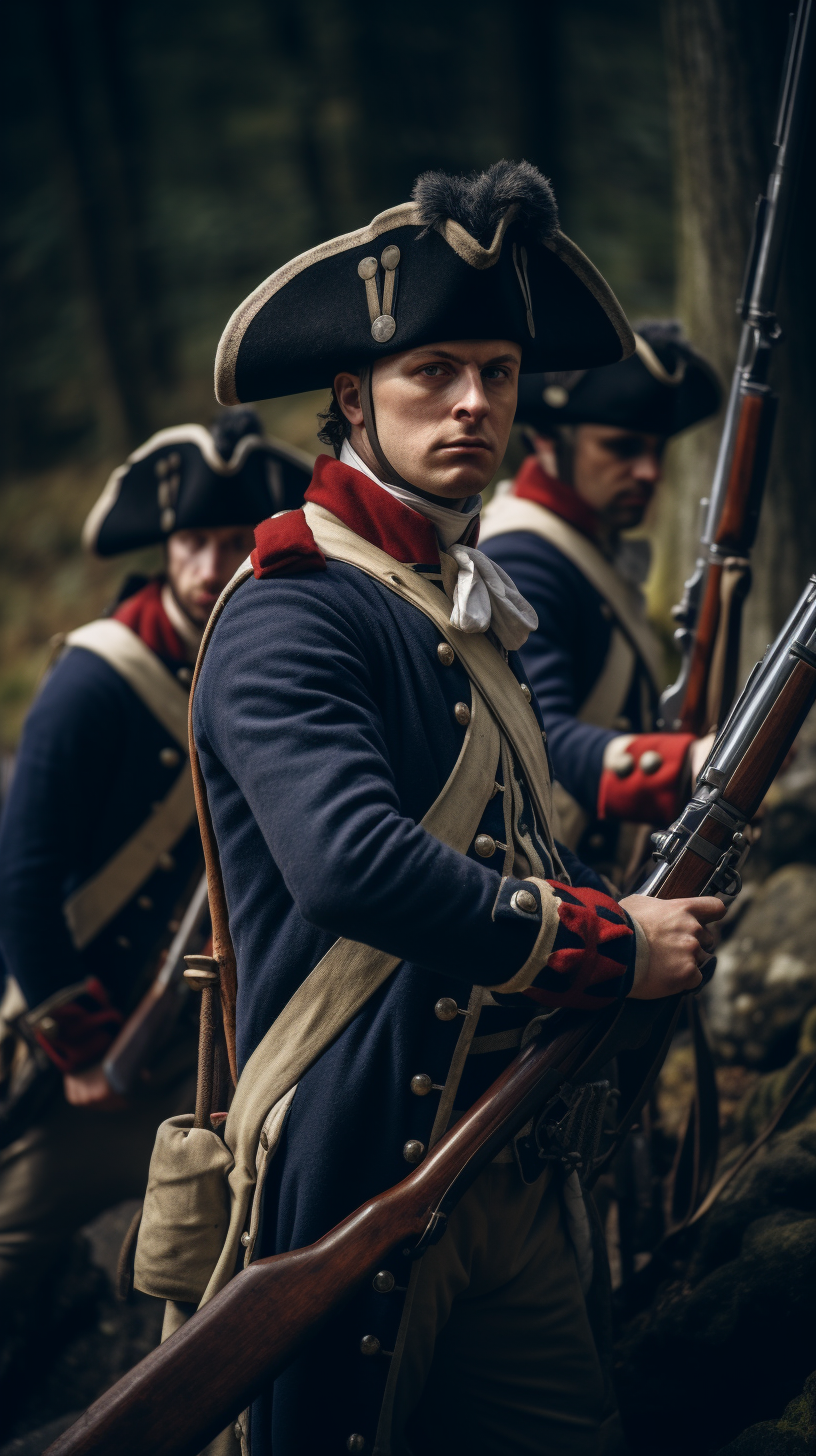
478, 257
661, 389
191, 477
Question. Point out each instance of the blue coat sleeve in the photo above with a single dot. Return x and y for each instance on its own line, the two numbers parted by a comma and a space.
66, 762
299, 702
563, 658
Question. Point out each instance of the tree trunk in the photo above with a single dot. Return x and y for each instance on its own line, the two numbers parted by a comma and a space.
724, 61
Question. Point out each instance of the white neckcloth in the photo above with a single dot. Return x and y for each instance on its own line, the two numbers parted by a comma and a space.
484, 595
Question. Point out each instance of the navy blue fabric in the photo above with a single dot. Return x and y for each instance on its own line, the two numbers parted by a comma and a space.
87, 774
325, 727
564, 657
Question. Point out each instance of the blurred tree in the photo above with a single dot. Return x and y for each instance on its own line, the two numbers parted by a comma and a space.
725, 59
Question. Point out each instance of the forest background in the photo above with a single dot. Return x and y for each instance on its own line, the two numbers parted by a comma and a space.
160, 159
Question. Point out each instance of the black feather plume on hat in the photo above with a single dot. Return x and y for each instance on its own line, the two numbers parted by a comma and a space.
479, 202
231, 425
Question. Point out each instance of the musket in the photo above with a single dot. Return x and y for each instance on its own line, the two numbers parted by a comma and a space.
710, 612
205, 1374
156, 1013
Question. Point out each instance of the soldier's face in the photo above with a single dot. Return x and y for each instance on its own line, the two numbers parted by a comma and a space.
616, 471
443, 413
200, 563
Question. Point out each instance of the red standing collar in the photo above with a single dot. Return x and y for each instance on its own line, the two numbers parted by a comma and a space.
144, 614
533, 483
284, 544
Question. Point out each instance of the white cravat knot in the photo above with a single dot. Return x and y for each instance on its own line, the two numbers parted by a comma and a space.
485, 596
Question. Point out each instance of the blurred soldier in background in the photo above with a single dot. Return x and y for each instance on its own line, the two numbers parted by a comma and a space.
597, 441
99, 844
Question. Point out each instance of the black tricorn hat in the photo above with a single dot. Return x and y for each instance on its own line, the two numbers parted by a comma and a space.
190, 477
478, 257
661, 389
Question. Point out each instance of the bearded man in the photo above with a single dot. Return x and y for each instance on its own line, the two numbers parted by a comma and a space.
99, 845
598, 439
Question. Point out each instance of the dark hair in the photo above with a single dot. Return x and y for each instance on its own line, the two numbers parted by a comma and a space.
336, 428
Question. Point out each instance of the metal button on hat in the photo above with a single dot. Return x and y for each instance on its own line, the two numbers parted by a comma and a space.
525, 901
462, 714
445, 653
446, 1008
367, 267
384, 1281
369, 1345
413, 1151
650, 761
169, 757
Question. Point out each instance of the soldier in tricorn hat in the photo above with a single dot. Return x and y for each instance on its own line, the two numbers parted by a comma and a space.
99, 845
597, 439
377, 780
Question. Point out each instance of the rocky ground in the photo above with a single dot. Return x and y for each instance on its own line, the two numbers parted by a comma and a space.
83, 1340
716, 1347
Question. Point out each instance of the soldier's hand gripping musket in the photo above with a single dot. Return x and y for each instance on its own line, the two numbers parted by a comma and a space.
255, 1327
710, 613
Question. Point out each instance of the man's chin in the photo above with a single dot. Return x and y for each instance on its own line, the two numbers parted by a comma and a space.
458, 481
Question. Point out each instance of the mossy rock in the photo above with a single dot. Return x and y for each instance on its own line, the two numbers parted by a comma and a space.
765, 980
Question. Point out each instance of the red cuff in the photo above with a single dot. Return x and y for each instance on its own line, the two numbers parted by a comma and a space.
645, 797
592, 962
78, 1033
285, 544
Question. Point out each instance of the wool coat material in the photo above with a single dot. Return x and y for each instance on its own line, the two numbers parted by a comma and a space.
88, 771
325, 725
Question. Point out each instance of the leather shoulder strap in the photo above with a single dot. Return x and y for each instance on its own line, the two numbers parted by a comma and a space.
512, 513
142, 670
100, 898
95, 903
484, 664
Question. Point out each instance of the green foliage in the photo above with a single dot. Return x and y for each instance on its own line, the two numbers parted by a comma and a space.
163, 159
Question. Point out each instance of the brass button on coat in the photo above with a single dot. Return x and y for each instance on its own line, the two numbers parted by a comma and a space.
169, 757
445, 1009
355, 1442
462, 714
526, 691
524, 900
650, 761
421, 1084
485, 845
445, 653
414, 1151
384, 1281
369, 1345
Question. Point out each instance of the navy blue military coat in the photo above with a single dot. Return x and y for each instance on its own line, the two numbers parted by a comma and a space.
325, 726
564, 658
89, 769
